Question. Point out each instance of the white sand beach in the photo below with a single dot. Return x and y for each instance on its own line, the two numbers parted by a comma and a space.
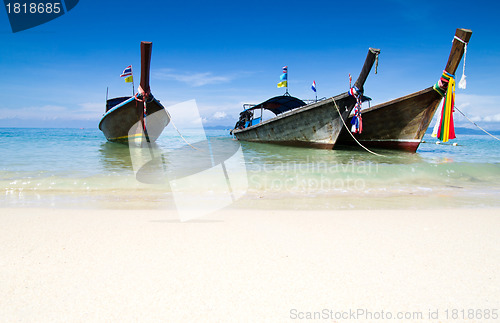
61, 265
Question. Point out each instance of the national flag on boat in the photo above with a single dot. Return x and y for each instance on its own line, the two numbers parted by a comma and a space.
313, 87
127, 71
127, 74
284, 78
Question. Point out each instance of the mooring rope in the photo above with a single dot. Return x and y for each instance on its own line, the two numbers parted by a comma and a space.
476, 124
347, 128
144, 99
173, 124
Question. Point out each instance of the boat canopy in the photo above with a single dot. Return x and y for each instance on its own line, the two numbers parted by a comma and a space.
279, 104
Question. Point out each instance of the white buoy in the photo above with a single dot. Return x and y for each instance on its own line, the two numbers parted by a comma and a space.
455, 144
438, 143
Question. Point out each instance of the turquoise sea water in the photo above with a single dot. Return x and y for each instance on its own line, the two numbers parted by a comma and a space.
79, 168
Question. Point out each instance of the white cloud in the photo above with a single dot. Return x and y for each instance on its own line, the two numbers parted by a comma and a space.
89, 110
83, 111
495, 118
43, 112
475, 118
193, 79
219, 115
478, 108
92, 106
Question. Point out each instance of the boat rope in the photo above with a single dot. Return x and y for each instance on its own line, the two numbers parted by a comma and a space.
169, 117
476, 124
348, 130
463, 83
173, 124
144, 99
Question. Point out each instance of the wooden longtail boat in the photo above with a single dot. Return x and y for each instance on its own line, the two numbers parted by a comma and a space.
401, 123
296, 123
124, 113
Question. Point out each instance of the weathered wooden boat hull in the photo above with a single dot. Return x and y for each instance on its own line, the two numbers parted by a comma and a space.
315, 125
401, 123
398, 124
118, 122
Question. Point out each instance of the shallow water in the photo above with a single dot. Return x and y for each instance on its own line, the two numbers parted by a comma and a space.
79, 168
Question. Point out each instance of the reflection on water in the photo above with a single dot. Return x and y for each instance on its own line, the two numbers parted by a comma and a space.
269, 153
115, 156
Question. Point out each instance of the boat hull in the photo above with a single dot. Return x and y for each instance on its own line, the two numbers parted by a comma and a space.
120, 122
315, 125
398, 124
401, 123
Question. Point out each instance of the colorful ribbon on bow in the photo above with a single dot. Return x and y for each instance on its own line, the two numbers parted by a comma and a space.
446, 129
357, 121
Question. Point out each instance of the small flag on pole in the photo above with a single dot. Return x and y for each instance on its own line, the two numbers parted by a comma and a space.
127, 74
284, 78
127, 71
313, 87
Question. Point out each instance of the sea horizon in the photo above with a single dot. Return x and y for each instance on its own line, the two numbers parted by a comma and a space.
471, 130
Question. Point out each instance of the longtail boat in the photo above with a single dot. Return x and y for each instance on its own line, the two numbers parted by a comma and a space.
401, 123
123, 114
296, 123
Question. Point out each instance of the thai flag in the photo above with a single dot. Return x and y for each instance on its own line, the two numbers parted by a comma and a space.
127, 71
285, 69
313, 87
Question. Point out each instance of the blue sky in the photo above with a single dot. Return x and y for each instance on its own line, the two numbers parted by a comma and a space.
226, 53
